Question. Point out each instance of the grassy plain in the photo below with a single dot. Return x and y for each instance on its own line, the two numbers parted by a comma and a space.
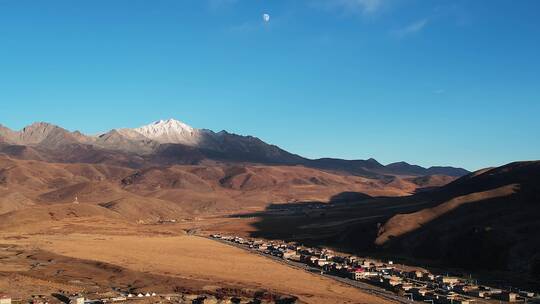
152, 259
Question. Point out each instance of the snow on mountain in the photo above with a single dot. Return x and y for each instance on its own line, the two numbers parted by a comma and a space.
171, 131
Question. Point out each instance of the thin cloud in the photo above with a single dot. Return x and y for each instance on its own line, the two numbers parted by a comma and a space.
412, 28
217, 4
362, 7
252, 26
245, 27
439, 91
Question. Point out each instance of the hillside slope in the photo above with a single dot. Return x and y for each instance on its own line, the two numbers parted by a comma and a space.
485, 220
179, 191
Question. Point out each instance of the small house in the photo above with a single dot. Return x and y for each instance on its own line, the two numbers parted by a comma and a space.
5, 300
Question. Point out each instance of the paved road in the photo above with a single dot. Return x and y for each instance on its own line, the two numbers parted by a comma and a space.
365, 287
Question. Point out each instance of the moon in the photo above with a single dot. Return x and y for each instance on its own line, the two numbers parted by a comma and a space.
266, 17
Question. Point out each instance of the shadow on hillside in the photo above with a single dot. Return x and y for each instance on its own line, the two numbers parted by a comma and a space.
349, 221
349, 197
425, 189
453, 242
338, 200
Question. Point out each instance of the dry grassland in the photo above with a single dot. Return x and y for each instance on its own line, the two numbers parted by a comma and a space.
191, 257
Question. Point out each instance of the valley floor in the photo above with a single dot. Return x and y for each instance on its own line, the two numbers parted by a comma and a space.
160, 259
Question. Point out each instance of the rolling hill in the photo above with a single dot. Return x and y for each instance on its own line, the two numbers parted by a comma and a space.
484, 221
179, 191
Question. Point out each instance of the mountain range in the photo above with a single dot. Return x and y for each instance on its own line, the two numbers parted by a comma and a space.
168, 170
169, 142
176, 170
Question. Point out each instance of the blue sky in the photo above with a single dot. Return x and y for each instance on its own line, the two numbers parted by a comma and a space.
439, 82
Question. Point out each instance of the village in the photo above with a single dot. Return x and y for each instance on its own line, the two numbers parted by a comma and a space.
386, 279
401, 285
120, 297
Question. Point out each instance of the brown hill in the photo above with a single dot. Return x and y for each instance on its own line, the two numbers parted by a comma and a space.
430, 182
41, 215
402, 224
487, 220
178, 191
20, 152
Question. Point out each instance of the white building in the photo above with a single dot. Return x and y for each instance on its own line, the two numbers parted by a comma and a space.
5, 300
77, 300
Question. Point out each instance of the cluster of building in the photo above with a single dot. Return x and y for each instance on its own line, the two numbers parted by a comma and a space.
75, 298
138, 298
427, 287
417, 285
5, 299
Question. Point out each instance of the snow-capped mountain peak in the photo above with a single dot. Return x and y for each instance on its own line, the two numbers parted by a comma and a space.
169, 131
